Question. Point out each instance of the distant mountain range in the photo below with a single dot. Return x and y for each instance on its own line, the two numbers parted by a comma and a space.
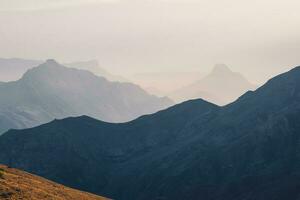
17, 184
221, 86
12, 69
52, 91
249, 149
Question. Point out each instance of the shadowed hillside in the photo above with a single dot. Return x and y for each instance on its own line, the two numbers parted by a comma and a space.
247, 150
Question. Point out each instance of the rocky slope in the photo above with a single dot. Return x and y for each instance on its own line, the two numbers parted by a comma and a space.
247, 150
52, 91
16, 184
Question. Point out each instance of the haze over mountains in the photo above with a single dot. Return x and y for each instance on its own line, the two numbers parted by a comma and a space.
52, 91
94, 67
12, 69
195, 150
221, 86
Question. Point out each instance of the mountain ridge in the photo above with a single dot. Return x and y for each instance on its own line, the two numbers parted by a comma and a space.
195, 150
53, 91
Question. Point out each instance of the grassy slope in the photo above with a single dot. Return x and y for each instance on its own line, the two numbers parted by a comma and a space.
16, 184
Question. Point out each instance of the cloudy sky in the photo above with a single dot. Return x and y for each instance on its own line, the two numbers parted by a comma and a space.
259, 38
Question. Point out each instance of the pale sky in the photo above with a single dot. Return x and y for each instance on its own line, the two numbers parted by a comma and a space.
258, 38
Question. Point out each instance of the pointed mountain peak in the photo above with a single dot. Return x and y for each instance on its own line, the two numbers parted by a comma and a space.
47, 70
221, 68
50, 64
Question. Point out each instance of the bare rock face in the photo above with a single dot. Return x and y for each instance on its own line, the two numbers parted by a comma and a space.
52, 91
249, 149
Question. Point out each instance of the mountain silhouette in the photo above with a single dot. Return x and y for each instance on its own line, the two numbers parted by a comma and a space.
221, 86
52, 91
248, 149
12, 69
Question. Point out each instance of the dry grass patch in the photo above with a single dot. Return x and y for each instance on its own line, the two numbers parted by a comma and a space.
16, 184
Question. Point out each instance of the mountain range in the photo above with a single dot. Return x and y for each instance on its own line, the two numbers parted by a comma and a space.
246, 150
12, 69
52, 91
221, 86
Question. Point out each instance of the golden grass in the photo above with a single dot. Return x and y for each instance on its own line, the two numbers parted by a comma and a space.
16, 185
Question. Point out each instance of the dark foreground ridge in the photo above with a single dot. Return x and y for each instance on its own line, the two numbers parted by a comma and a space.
248, 150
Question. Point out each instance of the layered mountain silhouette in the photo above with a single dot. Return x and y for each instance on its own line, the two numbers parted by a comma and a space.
12, 69
221, 86
52, 91
248, 149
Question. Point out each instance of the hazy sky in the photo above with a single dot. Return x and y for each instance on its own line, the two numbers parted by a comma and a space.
258, 38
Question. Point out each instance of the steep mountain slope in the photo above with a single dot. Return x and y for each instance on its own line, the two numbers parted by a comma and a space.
12, 69
221, 86
16, 184
53, 91
247, 150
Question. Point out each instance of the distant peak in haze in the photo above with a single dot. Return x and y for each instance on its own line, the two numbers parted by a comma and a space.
51, 62
54, 91
221, 68
221, 86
